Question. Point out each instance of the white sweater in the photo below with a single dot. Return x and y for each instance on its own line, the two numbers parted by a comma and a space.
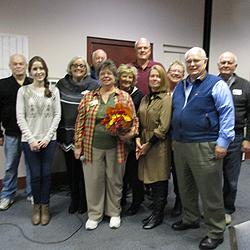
37, 116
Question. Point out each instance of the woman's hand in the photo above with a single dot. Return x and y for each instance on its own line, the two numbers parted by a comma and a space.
145, 148
245, 146
129, 135
43, 143
34, 146
77, 152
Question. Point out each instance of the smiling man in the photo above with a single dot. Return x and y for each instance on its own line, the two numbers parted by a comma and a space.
11, 139
240, 89
143, 63
202, 128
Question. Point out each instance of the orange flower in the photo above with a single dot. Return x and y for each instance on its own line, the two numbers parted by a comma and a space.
118, 119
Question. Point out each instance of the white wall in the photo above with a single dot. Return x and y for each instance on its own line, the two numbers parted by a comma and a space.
230, 32
57, 29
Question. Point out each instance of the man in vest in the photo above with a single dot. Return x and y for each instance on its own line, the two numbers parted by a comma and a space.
203, 123
240, 89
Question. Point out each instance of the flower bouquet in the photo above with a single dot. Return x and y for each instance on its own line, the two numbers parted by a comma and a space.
118, 120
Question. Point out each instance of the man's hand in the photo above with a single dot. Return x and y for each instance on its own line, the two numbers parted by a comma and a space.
245, 146
220, 152
1, 141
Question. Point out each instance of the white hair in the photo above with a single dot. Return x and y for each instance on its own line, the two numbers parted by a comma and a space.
230, 54
197, 50
142, 39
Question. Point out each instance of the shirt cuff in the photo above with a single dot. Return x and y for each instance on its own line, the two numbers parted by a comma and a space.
223, 142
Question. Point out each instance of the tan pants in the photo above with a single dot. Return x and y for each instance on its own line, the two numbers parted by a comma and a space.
103, 183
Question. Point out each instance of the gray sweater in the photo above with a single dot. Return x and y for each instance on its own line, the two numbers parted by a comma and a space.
37, 116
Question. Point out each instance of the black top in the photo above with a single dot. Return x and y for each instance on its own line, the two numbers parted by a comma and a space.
71, 94
8, 93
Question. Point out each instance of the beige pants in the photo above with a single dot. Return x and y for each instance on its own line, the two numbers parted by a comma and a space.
103, 183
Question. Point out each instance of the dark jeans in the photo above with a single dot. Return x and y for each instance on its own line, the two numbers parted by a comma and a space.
231, 173
75, 180
40, 169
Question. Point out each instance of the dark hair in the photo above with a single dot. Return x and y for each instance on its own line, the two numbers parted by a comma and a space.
47, 91
108, 64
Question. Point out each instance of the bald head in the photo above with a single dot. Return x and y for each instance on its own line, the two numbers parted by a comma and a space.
18, 65
227, 64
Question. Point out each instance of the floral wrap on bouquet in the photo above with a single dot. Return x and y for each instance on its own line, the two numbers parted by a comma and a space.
118, 120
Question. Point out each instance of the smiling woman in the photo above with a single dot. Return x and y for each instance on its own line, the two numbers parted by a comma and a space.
38, 114
72, 88
104, 153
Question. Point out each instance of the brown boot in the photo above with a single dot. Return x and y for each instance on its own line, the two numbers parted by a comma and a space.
45, 216
36, 214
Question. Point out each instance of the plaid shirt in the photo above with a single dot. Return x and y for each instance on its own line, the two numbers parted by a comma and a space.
86, 119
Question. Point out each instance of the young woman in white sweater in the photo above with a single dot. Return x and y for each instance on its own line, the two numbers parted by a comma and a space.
38, 116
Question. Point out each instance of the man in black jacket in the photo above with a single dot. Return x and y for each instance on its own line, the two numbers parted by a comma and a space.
240, 89
11, 139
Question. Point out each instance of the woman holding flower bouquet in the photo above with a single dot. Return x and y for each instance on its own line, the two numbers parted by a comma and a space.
153, 145
127, 81
106, 119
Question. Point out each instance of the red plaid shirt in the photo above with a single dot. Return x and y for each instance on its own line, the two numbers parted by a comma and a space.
85, 122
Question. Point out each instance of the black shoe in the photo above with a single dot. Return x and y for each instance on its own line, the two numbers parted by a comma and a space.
133, 209
147, 219
72, 208
208, 243
180, 226
154, 221
82, 210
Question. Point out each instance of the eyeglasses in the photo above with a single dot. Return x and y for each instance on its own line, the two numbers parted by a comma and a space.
82, 66
176, 71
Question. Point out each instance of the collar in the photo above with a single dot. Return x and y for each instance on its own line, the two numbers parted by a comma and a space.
149, 65
97, 91
198, 79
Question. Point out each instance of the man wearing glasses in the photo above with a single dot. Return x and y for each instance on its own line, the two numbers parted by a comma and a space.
203, 123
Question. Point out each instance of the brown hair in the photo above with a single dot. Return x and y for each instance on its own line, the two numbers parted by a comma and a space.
47, 92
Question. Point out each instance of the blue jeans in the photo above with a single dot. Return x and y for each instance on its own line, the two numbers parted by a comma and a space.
40, 168
231, 173
13, 151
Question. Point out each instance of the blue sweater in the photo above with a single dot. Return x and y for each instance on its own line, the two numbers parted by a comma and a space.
199, 119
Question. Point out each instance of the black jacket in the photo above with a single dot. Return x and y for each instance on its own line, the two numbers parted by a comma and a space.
8, 93
240, 89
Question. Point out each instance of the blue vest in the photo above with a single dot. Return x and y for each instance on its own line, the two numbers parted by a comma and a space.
198, 121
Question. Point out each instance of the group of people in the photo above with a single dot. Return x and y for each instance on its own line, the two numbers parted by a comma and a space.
194, 128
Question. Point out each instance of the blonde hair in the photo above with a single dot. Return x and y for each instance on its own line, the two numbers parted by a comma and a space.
128, 69
164, 80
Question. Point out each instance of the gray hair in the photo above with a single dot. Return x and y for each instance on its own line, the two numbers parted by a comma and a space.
231, 54
96, 51
17, 55
197, 50
71, 62
144, 40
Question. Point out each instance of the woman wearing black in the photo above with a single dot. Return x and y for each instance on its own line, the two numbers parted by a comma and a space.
72, 88
127, 76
